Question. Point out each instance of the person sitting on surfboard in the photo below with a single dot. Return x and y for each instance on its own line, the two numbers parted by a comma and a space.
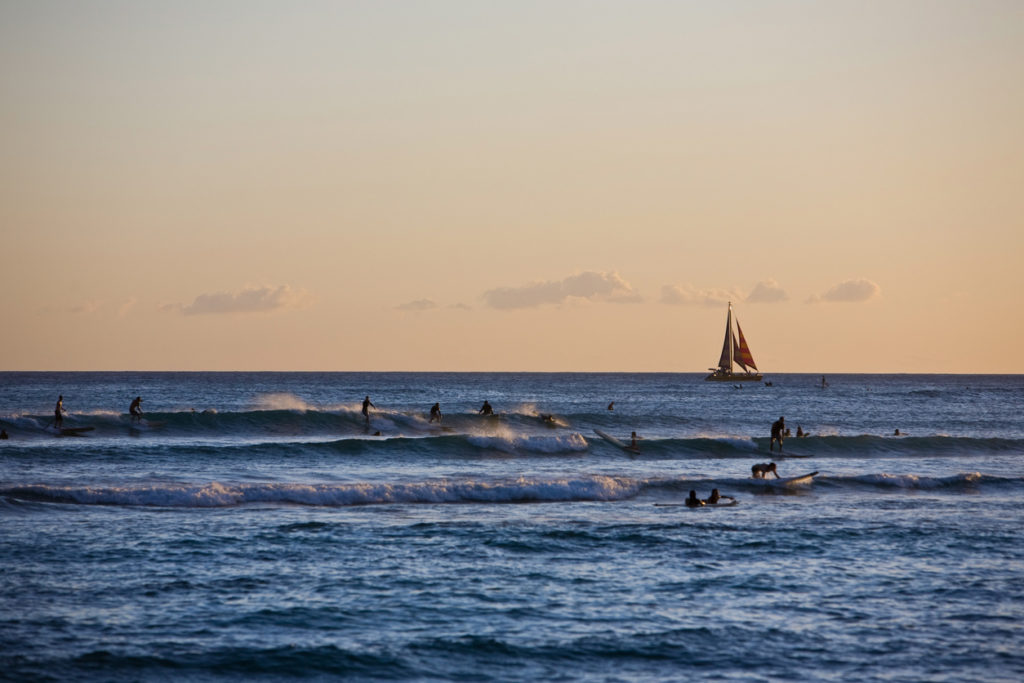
713, 498
486, 409
435, 412
632, 443
693, 501
366, 409
759, 471
136, 409
778, 429
58, 412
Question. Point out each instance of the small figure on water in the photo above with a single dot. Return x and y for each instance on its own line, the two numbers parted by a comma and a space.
693, 501
366, 409
896, 433
611, 406
800, 432
760, 470
632, 442
58, 412
778, 430
486, 409
136, 409
435, 412
3, 435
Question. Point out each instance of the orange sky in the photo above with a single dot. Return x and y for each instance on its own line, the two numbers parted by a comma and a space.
550, 186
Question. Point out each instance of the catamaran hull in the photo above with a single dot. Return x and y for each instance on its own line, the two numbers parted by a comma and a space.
733, 377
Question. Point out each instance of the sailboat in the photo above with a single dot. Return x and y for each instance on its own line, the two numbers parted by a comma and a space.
734, 351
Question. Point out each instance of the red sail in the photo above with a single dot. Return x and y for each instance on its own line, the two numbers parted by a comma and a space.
743, 355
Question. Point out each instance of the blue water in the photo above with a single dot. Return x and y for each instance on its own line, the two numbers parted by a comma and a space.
253, 527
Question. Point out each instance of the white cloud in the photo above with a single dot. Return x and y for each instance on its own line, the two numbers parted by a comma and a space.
418, 305
688, 295
589, 285
249, 300
767, 292
850, 291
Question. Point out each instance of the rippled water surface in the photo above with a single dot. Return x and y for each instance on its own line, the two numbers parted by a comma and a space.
271, 534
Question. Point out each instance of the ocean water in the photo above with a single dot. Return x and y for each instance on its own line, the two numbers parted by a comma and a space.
253, 527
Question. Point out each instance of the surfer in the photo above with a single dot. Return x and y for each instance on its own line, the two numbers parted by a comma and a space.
778, 429
366, 409
800, 432
486, 409
761, 470
58, 413
632, 442
136, 409
611, 406
3, 434
713, 498
435, 412
693, 501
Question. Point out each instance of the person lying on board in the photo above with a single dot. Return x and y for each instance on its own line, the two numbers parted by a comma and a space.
715, 497
693, 501
760, 470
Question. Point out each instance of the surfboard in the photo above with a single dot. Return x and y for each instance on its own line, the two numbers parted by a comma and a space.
615, 442
75, 431
720, 504
788, 456
790, 481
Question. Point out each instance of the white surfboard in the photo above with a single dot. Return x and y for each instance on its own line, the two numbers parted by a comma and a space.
790, 481
615, 442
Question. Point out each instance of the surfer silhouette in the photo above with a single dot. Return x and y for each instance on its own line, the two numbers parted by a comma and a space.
713, 498
693, 501
366, 409
435, 412
136, 409
761, 470
58, 412
778, 433
486, 409
632, 442
611, 406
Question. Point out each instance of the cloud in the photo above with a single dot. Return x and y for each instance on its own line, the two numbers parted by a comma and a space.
767, 292
589, 285
850, 291
249, 300
688, 295
126, 307
418, 305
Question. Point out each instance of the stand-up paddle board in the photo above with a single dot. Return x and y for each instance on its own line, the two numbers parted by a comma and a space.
74, 431
615, 442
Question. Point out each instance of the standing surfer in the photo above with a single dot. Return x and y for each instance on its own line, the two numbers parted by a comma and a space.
58, 413
778, 432
435, 412
136, 409
366, 409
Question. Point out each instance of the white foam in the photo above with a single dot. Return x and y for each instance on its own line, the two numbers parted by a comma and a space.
217, 494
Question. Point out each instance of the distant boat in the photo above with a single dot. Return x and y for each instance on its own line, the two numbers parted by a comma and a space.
734, 351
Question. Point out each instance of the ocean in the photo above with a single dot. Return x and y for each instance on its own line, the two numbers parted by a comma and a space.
253, 526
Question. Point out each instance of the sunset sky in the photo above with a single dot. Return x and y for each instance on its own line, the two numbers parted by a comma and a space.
549, 186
